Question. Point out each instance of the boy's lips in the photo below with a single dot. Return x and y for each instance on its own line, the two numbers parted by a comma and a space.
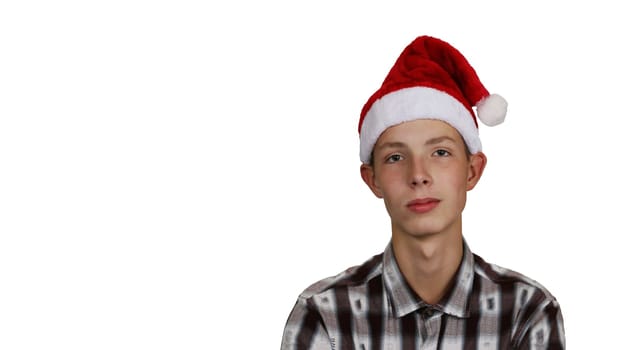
422, 205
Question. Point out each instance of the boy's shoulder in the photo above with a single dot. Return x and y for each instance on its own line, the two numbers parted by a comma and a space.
508, 278
357, 275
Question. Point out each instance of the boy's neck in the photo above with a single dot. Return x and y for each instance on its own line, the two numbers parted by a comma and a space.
429, 263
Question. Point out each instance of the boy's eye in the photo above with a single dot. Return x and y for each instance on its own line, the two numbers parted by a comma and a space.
394, 158
441, 153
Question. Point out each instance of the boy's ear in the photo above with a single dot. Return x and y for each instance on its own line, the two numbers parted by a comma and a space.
477, 163
367, 174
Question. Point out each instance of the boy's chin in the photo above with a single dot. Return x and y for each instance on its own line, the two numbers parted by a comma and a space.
423, 229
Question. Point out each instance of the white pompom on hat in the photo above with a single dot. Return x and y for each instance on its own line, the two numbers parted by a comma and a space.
430, 80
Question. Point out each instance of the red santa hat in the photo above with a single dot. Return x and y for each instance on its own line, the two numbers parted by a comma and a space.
430, 80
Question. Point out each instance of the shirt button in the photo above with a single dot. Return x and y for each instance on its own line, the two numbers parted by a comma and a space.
428, 312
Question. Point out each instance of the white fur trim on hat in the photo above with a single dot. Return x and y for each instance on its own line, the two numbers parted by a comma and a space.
411, 104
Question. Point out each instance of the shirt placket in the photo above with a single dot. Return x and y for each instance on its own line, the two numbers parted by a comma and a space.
428, 324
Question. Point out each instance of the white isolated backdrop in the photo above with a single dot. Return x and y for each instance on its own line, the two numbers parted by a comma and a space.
174, 173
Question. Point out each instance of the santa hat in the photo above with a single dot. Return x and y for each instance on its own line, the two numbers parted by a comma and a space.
430, 80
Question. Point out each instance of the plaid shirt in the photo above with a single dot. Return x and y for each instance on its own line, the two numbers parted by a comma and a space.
371, 307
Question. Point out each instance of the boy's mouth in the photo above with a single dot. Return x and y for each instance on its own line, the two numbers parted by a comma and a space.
422, 205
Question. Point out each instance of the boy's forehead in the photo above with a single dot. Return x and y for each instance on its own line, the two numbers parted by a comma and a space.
419, 130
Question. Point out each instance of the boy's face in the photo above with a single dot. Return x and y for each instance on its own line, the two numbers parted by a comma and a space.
422, 172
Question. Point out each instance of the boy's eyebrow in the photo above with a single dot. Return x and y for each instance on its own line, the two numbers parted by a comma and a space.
432, 141
396, 144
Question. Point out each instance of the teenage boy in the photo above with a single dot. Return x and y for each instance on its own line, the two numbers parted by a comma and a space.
421, 153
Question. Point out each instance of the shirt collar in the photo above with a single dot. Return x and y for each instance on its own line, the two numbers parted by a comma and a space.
404, 300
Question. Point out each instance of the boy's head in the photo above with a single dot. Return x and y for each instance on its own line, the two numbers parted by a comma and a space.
421, 134
430, 80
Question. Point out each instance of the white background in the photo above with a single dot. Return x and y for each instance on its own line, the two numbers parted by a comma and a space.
174, 173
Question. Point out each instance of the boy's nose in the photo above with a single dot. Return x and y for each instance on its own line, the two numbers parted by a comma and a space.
419, 175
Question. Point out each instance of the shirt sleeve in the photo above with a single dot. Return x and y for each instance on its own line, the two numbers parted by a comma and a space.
305, 329
545, 330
